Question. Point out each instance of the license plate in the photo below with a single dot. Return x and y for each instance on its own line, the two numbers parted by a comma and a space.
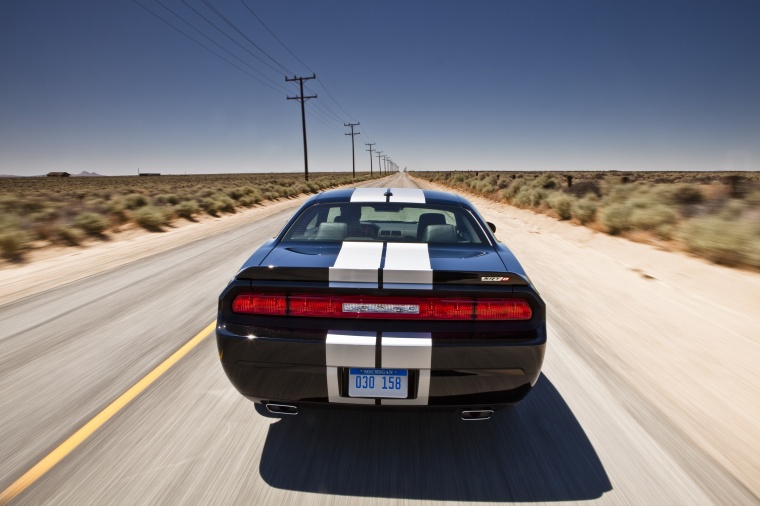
378, 383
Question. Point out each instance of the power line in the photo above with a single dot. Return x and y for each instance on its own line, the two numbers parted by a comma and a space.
321, 82
206, 47
284, 90
276, 37
207, 20
315, 114
224, 18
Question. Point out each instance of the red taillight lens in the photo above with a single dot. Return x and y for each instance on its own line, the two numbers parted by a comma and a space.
373, 307
254, 303
503, 309
315, 305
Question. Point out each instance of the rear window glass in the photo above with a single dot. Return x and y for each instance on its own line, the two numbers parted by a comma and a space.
386, 222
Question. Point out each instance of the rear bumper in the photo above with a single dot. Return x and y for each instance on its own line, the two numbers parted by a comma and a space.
444, 371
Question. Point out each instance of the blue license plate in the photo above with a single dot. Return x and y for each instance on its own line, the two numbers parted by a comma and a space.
393, 383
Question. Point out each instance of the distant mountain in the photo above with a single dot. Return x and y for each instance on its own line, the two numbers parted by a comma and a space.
8, 175
84, 173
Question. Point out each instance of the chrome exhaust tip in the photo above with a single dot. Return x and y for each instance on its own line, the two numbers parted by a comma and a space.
477, 414
282, 409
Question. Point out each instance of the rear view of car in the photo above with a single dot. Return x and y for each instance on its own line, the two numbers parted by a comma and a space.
383, 299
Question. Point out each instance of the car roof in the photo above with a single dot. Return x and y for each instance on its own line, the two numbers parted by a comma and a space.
397, 195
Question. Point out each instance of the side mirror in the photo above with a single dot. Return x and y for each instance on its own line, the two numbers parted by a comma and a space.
491, 226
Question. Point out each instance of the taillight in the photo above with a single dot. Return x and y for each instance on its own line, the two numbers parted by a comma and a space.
374, 307
256, 303
503, 309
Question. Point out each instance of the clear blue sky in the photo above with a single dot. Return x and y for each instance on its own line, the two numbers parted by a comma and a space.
105, 86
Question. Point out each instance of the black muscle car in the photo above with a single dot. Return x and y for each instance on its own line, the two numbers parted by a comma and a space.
383, 298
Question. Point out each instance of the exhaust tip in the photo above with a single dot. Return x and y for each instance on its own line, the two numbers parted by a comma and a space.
476, 414
282, 409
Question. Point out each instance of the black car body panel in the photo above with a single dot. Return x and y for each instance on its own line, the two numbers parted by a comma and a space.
305, 360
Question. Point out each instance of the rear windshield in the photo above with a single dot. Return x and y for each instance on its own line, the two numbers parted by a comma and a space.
386, 222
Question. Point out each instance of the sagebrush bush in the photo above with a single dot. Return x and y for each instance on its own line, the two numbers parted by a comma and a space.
226, 204
562, 204
69, 236
91, 223
657, 218
135, 201
187, 209
728, 242
150, 218
9, 203
615, 218
513, 189
234, 193
619, 193
584, 210
13, 240
167, 198
733, 209
687, 194
210, 206
250, 200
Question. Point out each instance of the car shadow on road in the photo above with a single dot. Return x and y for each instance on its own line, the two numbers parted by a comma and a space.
536, 452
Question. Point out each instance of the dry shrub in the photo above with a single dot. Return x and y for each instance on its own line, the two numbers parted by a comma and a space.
234, 193
210, 206
687, 194
135, 201
728, 242
13, 239
226, 204
582, 188
167, 198
584, 210
513, 189
10, 203
733, 209
562, 204
657, 218
91, 223
187, 209
616, 218
250, 200
69, 236
150, 218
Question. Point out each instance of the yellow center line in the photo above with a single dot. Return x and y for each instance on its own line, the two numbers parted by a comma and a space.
87, 429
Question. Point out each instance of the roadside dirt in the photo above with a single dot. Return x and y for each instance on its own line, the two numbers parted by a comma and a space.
52, 267
681, 332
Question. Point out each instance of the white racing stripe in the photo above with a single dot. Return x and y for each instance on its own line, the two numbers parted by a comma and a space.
411, 195
399, 195
348, 349
409, 350
357, 265
407, 265
368, 195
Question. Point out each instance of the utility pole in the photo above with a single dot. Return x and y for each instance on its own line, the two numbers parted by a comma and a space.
353, 156
379, 167
303, 99
370, 144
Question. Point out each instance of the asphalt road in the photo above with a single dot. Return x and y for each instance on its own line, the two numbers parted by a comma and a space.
584, 433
